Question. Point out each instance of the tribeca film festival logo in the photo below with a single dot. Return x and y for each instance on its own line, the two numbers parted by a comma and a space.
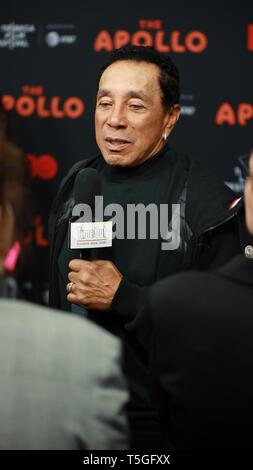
160, 224
152, 33
16, 36
19, 36
34, 101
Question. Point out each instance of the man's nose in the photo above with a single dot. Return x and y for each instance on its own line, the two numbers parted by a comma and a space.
117, 117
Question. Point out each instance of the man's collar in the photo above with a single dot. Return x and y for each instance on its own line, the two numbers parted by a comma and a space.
239, 269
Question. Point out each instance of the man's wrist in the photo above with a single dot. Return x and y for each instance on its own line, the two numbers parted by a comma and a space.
127, 298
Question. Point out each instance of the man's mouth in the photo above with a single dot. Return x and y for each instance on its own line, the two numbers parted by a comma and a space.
116, 144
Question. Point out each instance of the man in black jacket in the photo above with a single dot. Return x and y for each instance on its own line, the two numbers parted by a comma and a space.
202, 352
136, 111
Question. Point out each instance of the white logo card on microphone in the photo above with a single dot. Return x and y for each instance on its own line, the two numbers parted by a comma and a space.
90, 234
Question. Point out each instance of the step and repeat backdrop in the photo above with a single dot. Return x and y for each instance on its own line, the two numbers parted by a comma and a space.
51, 53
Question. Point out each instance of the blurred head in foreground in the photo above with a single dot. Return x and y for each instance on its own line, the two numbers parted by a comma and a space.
13, 197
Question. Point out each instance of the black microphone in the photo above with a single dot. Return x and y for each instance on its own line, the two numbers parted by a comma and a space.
88, 230
86, 187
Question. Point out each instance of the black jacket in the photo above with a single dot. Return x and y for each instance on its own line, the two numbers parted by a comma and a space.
202, 354
212, 231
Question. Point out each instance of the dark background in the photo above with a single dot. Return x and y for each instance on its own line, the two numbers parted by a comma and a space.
57, 59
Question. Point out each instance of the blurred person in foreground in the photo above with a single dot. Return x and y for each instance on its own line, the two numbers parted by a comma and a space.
3, 122
61, 385
201, 349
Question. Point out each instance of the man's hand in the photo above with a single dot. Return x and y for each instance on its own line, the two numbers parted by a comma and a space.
93, 283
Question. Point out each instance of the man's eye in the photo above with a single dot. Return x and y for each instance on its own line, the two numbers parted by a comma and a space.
136, 106
104, 104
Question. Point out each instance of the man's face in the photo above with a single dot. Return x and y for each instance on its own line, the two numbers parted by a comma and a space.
130, 119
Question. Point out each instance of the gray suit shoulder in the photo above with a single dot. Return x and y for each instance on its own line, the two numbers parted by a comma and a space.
80, 366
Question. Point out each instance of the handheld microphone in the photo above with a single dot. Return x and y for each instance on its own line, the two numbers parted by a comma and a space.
87, 229
87, 186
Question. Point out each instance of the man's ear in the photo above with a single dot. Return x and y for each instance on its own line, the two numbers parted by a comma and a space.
171, 119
